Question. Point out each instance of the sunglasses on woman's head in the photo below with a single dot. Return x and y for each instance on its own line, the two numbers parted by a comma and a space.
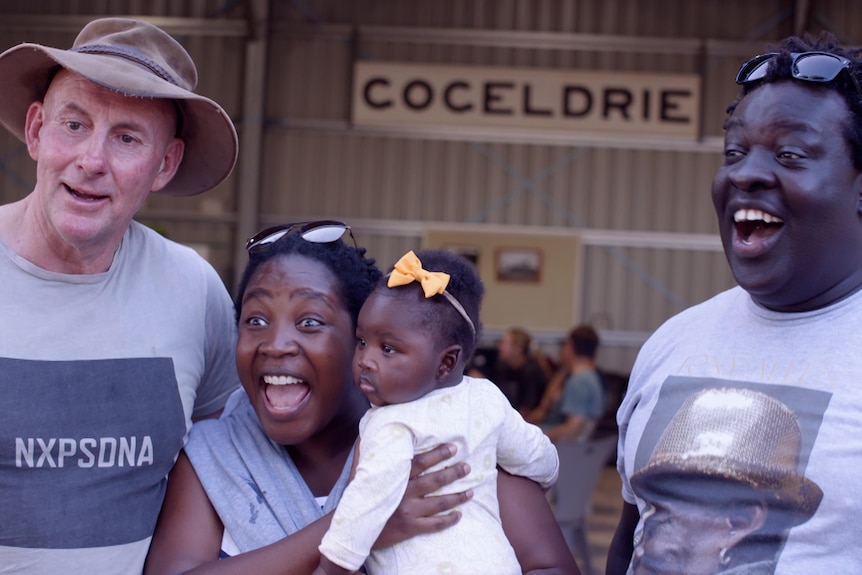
318, 232
806, 66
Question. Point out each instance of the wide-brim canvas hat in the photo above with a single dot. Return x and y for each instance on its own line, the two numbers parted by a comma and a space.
732, 436
136, 59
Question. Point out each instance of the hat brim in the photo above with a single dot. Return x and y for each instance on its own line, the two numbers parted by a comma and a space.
211, 142
792, 492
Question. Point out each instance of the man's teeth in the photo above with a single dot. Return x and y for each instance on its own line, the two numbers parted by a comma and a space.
280, 380
755, 216
82, 195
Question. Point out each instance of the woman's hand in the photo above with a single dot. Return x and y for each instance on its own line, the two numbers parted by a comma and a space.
418, 513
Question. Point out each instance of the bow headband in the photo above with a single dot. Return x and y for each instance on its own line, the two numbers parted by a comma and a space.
409, 269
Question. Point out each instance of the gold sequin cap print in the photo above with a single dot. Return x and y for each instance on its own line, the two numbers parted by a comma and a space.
735, 435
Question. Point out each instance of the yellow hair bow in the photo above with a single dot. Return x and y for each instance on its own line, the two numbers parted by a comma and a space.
409, 269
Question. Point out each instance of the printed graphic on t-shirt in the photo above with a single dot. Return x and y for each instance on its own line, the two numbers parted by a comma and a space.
85, 443
721, 466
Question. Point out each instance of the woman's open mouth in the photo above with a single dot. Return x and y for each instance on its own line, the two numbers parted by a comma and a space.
284, 392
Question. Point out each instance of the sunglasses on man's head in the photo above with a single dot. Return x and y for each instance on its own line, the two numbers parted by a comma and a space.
806, 66
318, 232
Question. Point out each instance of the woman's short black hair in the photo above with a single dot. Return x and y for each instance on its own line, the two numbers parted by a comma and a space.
780, 69
356, 274
441, 317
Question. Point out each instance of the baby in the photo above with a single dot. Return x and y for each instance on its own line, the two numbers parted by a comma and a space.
415, 334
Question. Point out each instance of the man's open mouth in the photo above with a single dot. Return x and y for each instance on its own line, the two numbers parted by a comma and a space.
753, 225
82, 195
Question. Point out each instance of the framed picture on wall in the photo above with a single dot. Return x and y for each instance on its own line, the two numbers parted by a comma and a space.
531, 279
513, 264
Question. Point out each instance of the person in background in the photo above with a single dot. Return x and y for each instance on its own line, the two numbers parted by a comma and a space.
257, 487
788, 198
112, 337
575, 399
517, 371
415, 334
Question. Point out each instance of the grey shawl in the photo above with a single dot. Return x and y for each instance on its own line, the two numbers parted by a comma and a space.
251, 481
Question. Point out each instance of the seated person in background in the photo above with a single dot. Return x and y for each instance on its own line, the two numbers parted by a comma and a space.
415, 333
574, 401
517, 371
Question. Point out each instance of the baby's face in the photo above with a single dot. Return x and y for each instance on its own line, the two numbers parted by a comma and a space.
396, 359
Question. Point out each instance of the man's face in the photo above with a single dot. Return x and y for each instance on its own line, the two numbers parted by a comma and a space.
506, 348
681, 539
567, 354
98, 155
788, 198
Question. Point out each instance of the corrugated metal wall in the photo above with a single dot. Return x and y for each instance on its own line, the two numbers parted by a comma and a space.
645, 214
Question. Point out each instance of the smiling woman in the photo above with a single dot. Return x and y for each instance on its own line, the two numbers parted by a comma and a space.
294, 304
257, 486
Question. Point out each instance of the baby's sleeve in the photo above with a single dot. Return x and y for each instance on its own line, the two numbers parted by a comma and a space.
385, 455
524, 449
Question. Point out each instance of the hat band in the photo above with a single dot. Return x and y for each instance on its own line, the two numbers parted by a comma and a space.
134, 56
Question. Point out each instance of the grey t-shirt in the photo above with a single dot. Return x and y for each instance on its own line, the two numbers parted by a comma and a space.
100, 376
735, 407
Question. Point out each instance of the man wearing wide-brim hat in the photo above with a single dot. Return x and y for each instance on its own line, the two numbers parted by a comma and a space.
723, 445
113, 338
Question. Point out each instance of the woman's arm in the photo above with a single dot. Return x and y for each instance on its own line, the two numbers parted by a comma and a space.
553, 392
189, 532
532, 529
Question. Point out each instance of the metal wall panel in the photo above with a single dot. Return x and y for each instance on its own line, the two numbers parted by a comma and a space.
725, 19
365, 176
645, 213
377, 178
322, 168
